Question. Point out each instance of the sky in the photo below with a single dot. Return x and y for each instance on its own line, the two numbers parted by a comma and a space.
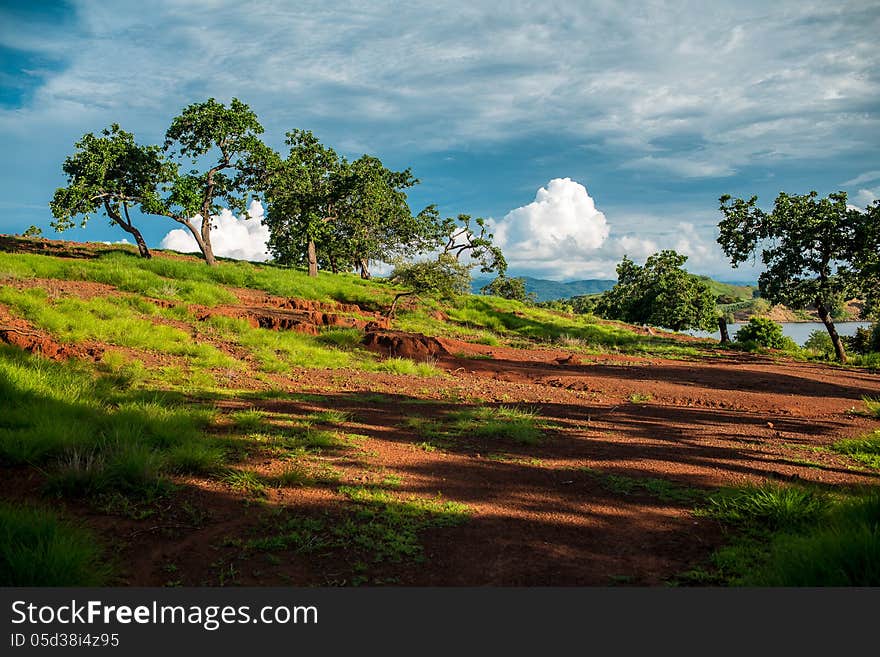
584, 131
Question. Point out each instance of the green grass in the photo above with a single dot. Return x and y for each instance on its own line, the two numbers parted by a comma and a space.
249, 420
377, 526
518, 425
865, 450
111, 321
245, 481
91, 435
37, 548
407, 367
279, 351
194, 282
329, 416
661, 489
794, 536
872, 406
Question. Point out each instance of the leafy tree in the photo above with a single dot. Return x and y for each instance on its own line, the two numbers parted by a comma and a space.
509, 288
802, 243
661, 293
113, 174
444, 277
458, 237
762, 331
230, 135
303, 193
375, 221
864, 269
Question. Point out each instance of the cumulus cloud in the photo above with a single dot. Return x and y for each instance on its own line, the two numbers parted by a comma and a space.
563, 235
231, 237
561, 224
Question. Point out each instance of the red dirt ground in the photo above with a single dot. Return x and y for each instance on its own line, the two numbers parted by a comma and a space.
540, 515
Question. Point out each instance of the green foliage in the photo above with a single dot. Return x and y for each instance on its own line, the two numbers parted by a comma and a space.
819, 342
864, 258
110, 173
803, 244
796, 536
33, 231
865, 450
763, 332
866, 340
444, 277
37, 548
200, 130
661, 293
509, 288
458, 237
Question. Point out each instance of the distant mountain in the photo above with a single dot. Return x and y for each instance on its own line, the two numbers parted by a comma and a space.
548, 290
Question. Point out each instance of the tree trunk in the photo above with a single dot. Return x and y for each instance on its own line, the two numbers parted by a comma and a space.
204, 248
333, 266
205, 244
397, 298
722, 326
313, 259
825, 316
129, 228
365, 269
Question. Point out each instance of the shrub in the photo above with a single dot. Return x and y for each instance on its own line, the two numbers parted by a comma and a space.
444, 277
820, 343
762, 331
509, 288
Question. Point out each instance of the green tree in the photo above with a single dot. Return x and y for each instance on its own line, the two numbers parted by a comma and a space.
113, 174
457, 237
375, 221
661, 293
303, 194
803, 242
509, 288
864, 269
444, 277
229, 135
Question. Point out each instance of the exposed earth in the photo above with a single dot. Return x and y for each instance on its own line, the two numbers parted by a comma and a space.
578, 508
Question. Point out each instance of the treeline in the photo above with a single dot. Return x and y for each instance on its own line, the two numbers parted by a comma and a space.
322, 211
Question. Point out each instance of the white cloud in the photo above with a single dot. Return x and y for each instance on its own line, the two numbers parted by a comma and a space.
231, 237
868, 176
561, 225
867, 196
562, 235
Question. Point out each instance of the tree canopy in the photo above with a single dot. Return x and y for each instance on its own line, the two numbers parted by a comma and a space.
113, 174
201, 130
803, 243
660, 293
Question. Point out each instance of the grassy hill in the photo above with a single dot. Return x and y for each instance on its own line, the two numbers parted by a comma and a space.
165, 422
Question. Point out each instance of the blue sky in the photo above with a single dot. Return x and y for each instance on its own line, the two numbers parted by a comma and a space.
584, 130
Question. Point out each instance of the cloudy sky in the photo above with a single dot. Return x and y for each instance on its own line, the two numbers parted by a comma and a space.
584, 130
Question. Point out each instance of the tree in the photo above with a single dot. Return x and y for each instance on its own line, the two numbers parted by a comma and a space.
457, 237
444, 277
374, 219
111, 173
302, 195
509, 288
803, 242
200, 130
661, 293
864, 268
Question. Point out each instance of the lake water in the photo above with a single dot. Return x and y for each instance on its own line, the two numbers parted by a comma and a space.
797, 331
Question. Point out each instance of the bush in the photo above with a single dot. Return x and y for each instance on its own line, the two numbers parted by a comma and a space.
444, 277
820, 343
509, 288
763, 332
865, 341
